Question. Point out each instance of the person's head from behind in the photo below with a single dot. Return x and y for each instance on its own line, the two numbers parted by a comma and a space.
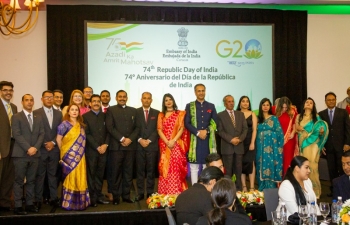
214, 159
345, 160
223, 196
209, 176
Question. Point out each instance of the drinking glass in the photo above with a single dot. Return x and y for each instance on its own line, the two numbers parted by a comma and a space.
303, 212
324, 208
276, 217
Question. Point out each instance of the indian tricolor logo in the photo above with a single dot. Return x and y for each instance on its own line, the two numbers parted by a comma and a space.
132, 46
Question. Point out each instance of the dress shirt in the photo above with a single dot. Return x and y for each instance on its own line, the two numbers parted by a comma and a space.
57, 108
5, 105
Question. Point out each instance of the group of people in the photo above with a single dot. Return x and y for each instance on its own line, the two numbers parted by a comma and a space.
89, 137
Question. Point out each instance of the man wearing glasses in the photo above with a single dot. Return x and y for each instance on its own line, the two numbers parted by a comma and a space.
88, 92
338, 138
7, 110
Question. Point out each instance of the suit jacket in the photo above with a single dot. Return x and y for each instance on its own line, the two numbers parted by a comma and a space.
50, 133
5, 131
227, 131
24, 137
96, 131
147, 130
121, 122
341, 187
339, 130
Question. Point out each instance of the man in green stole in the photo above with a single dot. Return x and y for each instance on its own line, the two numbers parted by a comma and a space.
201, 118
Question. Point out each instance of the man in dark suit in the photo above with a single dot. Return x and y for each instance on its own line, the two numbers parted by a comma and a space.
57, 99
338, 137
232, 128
200, 120
147, 148
49, 152
121, 125
96, 149
341, 185
7, 110
28, 131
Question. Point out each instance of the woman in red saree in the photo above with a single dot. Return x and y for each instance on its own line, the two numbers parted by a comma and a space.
173, 145
286, 114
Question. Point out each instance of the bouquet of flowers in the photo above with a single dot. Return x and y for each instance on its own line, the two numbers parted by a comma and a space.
344, 213
251, 198
160, 201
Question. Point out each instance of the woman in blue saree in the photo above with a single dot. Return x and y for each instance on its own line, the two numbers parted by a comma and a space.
71, 141
312, 135
269, 148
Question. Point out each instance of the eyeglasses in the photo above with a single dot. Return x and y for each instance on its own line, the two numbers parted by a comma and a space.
77, 96
58, 97
48, 97
7, 90
87, 92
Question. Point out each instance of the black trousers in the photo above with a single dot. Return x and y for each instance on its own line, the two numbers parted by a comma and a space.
96, 164
121, 165
335, 168
146, 165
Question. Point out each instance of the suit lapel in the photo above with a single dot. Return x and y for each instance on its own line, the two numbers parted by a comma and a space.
24, 117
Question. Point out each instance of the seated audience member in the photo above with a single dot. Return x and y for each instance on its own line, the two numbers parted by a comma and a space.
341, 185
214, 159
196, 201
224, 197
296, 188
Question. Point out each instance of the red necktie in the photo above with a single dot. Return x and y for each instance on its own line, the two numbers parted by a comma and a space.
105, 110
146, 111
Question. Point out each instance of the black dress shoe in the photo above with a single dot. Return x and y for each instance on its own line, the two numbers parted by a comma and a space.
139, 198
37, 204
55, 203
103, 202
46, 201
149, 195
20, 211
93, 204
32, 208
116, 201
128, 200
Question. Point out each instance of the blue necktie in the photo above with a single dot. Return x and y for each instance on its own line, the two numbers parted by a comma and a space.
331, 115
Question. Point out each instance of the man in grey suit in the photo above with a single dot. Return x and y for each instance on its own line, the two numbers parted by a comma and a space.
232, 128
7, 171
28, 131
147, 148
50, 154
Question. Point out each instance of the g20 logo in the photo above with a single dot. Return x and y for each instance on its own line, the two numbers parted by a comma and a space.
252, 49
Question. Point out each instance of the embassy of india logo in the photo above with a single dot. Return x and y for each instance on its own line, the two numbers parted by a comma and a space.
253, 49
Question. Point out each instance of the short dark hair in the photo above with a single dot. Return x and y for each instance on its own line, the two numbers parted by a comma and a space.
195, 86
5, 83
212, 158
105, 91
47, 91
121, 91
224, 99
94, 96
346, 154
209, 173
88, 87
57, 90
25, 95
329, 93
146, 92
